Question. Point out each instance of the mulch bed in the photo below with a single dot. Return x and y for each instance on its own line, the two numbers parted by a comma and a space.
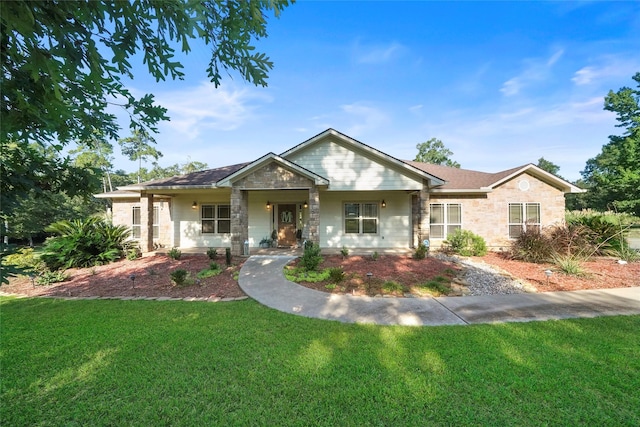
152, 276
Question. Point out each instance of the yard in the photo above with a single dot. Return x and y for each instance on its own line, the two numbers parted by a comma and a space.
196, 363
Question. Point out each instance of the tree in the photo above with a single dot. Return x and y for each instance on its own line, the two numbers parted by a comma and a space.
549, 166
138, 147
95, 153
433, 151
63, 64
613, 176
63, 61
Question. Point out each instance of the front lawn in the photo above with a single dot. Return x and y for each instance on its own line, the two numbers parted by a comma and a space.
194, 363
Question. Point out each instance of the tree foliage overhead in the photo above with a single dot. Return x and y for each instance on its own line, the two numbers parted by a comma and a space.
549, 166
613, 176
63, 61
433, 151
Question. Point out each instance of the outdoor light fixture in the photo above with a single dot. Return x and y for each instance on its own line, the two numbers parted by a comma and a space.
268, 205
133, 281
306, 205
194, 205
384, 204
548, 273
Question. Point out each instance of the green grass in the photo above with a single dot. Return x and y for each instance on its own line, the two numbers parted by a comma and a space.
183, 364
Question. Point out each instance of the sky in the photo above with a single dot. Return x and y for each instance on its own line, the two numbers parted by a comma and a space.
501, 84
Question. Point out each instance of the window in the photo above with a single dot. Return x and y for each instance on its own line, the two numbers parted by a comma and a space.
361, 218
136, 222
215, 219
523, 216
444, 219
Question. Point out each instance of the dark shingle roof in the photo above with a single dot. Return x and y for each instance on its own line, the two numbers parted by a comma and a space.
205, 177
462, 179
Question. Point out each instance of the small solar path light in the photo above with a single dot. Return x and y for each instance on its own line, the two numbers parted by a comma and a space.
133, 281
548, 273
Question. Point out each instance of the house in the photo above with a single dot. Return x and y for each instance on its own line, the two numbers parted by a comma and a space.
337, 192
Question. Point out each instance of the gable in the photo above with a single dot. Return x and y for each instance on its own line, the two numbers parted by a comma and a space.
273, 176
347, 167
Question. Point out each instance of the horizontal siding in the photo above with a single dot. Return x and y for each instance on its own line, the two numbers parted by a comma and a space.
394, 227
349, 170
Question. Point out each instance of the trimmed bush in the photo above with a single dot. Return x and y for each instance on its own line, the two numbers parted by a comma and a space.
311, 258
421, 251
336, 274
175, 254
179, 276
465, 243
212, 253
532, 245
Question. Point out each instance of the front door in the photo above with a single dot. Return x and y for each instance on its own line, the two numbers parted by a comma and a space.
287, 225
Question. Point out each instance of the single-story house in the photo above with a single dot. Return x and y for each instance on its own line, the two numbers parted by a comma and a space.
337, 192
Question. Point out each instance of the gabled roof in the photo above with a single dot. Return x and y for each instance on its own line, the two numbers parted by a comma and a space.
465, 180
249, 168
347, 140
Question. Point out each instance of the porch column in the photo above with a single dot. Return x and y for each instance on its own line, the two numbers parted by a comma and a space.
146, 222
314, 215
420, 213
239, 219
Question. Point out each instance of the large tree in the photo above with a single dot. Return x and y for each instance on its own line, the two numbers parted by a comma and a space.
613, 176
433, 151
549, 166
64, 62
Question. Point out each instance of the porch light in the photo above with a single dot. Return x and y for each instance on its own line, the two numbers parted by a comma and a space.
268, 205
384, 204
194, 205
306, 205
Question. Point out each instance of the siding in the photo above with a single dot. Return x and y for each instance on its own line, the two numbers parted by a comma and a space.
349, 170
394, 221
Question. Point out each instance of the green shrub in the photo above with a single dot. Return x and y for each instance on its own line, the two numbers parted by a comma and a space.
311, 258
84, 243
336, 274
344, 251
179, 276
330, 286
375, 256
46, 278
175, 254
437, 286
465, 243
133, 254
227, 256
212, 253
215, 266
208, 272
421, 251
392, 286
24, 259
569, 264
300, 274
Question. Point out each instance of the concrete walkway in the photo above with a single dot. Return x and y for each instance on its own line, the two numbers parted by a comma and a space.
261, 278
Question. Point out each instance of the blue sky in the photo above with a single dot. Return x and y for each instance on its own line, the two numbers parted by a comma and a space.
500, 83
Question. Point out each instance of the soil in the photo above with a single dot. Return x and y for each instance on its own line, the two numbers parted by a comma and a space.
152, 277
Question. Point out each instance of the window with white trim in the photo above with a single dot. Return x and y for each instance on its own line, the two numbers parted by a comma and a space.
361, 218
136, 222
215, 219
444, 219
523, 216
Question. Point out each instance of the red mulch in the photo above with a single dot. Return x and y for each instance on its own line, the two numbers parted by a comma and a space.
152, 276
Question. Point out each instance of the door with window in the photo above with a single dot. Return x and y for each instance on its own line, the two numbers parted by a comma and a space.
287, 225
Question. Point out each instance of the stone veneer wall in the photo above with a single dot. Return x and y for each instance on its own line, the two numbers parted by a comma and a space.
121, 214
270, 177
488, 215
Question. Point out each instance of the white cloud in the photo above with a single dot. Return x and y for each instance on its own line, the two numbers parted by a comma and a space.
203, 108
607, 68
363, 118
377, 54
535, 70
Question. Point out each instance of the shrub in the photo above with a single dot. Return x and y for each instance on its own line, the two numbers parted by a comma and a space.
133, 254
48, 277
208, 272
336, 274
573, 239
175, 254
344, 251
227, 256
392, 286
532, 245
84, 243
421, 251
214, 266
179, 276
465, 243
311, 258
437, 286
212, 253
24, 259
375, 256
569, 264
